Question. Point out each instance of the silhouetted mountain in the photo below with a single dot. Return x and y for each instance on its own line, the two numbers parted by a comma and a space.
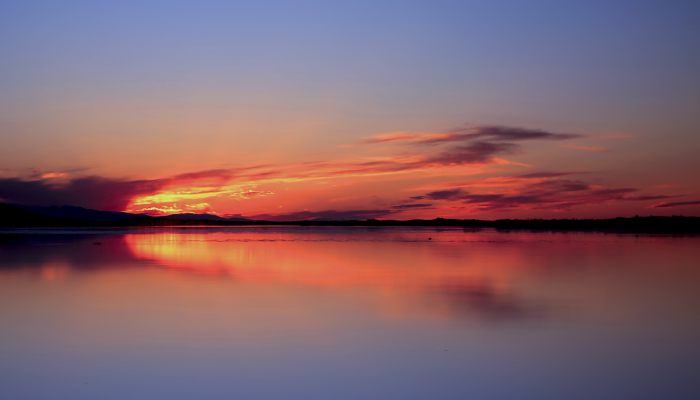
193, 217
80, 213
14, 215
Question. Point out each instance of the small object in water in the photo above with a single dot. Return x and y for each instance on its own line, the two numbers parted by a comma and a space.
430, 238
97, 243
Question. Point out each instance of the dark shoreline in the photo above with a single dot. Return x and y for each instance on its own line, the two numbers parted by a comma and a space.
21, 216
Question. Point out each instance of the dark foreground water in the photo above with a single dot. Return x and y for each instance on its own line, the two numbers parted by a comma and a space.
348, 313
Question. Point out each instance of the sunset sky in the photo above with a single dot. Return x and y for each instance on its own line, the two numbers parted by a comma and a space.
355, 109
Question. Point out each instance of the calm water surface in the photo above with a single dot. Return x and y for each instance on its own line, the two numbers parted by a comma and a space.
347, 313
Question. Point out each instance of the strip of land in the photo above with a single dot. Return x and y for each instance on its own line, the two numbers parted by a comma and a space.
23, 216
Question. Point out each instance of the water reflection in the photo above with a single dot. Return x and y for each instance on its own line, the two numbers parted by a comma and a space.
485, 275
402, 271
351, 313
75, 251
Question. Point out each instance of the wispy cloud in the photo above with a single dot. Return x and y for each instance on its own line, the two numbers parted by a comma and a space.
677, 204
467, 145
470, 133
92, 191
472, 153
539, 190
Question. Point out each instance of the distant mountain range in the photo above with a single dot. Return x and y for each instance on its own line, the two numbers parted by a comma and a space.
17, 215
25, 216
193, 217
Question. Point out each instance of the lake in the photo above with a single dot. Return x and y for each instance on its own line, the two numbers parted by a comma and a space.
347, 313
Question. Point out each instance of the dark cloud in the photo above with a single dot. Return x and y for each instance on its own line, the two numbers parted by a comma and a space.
471, 145
678, 204
90, 192
649, 197
490, 133
508, 133
449, 194
550, 193
473, 153
557, 195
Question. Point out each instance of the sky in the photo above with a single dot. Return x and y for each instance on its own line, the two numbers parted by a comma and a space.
358, 109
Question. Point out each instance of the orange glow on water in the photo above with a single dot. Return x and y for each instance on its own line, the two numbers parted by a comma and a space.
314, 261
405, 273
